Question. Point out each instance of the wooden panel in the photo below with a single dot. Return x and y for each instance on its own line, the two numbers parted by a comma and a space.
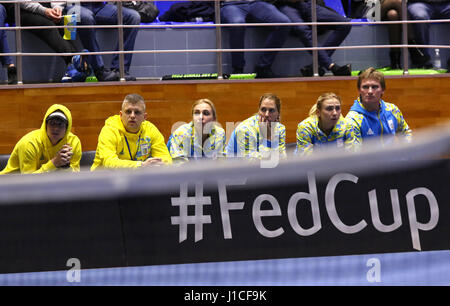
422, 99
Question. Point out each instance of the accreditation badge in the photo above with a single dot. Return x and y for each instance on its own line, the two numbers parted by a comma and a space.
391, 124
145, 148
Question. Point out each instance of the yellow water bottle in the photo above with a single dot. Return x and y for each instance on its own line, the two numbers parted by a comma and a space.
70, 33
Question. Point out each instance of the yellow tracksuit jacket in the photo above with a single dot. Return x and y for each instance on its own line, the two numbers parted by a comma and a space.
34, 151
118, 148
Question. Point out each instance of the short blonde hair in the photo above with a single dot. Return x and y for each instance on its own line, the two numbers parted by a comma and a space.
207, 101
133, 99
371, 73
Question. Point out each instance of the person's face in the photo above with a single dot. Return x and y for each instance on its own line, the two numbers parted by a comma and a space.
56, 129
329, 113
371, 92
268, 111
132, 116
203, 114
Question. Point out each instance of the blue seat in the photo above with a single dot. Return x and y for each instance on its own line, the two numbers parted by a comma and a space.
3, 160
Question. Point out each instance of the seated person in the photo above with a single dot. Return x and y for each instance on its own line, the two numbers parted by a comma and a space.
261, 134
52, 147
201, 138
325, 127
96, 13
240, 11
300, 11
4, 48
37, 14
128, 140
372, 117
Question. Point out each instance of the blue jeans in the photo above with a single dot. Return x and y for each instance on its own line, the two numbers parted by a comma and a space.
4, 47
301, 12
255, 11
426, 11
93, 13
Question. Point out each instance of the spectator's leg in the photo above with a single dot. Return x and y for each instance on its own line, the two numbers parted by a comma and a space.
339, 32
444, 11
305, 34
235, 13
421, 11
391, 10
91, 14
130, 17
4, 47
52, 37
268, 13
88, 37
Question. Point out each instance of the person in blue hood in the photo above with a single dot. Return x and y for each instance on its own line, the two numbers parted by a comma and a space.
372, 117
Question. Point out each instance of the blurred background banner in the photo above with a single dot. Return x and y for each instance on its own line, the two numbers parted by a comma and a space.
335, 204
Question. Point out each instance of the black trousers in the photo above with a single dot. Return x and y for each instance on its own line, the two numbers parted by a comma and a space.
53, 37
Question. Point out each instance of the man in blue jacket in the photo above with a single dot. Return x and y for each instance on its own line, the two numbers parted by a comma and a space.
372, 117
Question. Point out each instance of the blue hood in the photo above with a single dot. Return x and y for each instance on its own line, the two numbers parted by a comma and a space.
357, 107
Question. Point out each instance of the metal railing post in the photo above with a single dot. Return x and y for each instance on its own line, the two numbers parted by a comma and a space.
405, 37
18, 35
218, 39
121, 55
314, 38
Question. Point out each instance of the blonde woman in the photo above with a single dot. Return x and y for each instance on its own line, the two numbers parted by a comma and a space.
200, 138
325, 127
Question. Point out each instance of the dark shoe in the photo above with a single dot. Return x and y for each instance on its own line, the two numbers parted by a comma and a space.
106, 75
264, 72
423, 63
395, 59
418, 58
307, 71
428, 65
127, 76
70, 71
345, 70
12, 75
77, 69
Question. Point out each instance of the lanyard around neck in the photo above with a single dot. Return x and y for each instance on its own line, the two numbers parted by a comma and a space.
213, 145
137, 149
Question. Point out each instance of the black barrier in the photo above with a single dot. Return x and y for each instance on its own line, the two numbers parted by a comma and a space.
226, 218
237, 220
45, 236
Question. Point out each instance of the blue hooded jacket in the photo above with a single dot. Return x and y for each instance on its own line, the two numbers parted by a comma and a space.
385, 123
